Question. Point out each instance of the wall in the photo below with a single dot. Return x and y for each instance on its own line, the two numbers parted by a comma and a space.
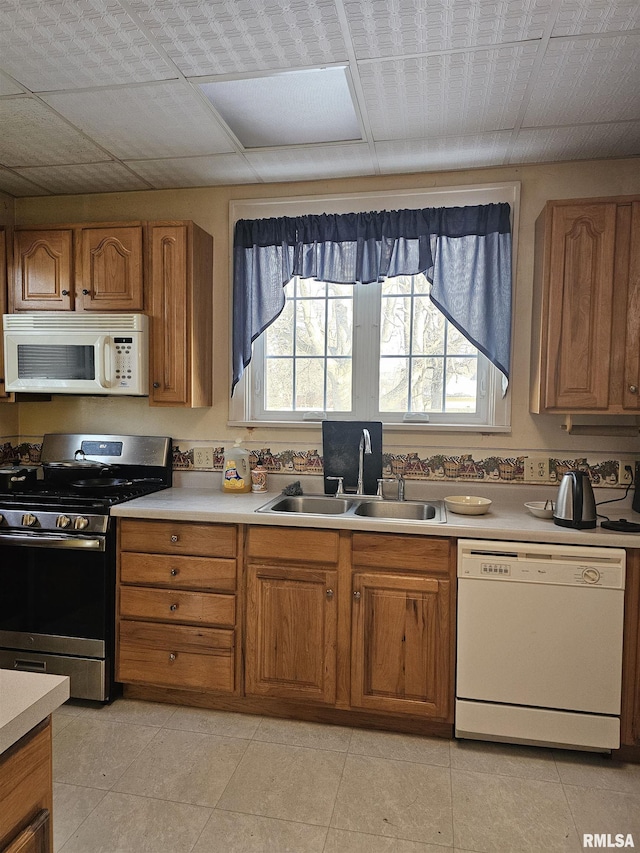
209, 208
9, 425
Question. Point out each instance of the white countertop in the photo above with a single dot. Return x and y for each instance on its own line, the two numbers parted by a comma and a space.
27, 698
507, 518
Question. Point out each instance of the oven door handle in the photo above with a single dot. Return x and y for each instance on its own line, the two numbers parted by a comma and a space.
30, 540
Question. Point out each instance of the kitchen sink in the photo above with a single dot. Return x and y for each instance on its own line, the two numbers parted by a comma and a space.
308, 504
429, 512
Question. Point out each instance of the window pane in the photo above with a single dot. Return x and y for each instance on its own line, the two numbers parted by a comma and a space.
310, 383
399, 284
457, 344
421, 284
394, 384
311, 287
427, 378
310, 320
340, 326
395, 325
428, 328
278, 390
339, 385
462, 383
279, 336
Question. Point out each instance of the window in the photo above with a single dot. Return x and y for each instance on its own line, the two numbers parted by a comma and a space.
380, 351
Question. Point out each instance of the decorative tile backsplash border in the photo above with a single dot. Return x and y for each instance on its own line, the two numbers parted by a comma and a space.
413, 465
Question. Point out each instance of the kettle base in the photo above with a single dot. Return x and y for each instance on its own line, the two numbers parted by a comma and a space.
587, 524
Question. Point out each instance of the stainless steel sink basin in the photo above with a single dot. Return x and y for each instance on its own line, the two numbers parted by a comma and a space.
429, 512
311, 504
410, 510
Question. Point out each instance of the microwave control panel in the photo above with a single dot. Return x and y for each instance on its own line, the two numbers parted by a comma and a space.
124, 361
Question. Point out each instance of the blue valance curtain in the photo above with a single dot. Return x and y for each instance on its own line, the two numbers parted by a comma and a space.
465, 252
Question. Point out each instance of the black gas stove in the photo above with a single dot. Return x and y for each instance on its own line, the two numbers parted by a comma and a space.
58, 554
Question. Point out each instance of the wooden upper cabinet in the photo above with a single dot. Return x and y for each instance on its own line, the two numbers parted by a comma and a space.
586, 326
181, 281
4, 397
43, 262
109, 273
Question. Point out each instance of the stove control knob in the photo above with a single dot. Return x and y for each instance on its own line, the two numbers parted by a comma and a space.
29, 520
81, 522
63, 521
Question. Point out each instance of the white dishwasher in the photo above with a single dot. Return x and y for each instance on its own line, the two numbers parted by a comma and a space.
539, 646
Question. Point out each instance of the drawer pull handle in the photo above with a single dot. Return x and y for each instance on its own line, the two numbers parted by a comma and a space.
173, 607
174, 538
172, 657
356, 595
174, 573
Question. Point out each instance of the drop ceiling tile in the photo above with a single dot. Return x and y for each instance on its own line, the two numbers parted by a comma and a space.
383, 28
427, 155
587, 80
226, 36
64, 44
195, 171
86, 178
145, 122
16, 185
312, 163
583, 142
33, 135
596, 16
8, 87
447, 95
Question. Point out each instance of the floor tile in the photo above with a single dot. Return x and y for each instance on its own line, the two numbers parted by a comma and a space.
242, 833
96, 753
494, 814
425, 750
131, 711
71, 708
223, 723
301, 733
185, 767
401, 799
504, 760
609, 812
122, 823
598, 771
341, 841
59, 722
286, 782
71, 805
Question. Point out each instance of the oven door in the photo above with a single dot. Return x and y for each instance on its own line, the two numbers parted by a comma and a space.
57, 607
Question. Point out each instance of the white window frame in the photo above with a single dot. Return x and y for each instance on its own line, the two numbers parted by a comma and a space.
497, 414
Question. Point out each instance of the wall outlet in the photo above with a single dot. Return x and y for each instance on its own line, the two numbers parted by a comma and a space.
625, 477
536, 469
203, 457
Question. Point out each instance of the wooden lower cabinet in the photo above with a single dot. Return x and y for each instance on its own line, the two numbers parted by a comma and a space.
26, 794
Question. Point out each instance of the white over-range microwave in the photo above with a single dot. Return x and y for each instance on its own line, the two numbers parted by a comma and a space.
47, 352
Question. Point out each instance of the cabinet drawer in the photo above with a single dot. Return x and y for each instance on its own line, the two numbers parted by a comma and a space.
177, 537
391, 551
176, 656
308, 546
178, 572
167, 605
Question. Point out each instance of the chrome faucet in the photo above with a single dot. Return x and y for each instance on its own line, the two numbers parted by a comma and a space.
365, 447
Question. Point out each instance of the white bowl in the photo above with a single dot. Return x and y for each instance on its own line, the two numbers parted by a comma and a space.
541, 509
467, 504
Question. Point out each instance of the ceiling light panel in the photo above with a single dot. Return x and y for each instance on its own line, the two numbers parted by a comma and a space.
311, 105
205, 37
65, 44
389, 29
33, 135
195, 171
448, 95
596, 16
87, 178
165, 120
314, 163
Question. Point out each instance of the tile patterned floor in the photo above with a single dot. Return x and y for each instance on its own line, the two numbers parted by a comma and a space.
139, 777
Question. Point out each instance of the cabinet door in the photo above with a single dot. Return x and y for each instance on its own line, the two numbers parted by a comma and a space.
631, 385
110, 269
291, 633
4, 397
43, 270
580, 296
36, 838
400, 644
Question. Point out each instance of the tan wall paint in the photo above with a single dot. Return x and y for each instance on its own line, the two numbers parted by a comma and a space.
209, 208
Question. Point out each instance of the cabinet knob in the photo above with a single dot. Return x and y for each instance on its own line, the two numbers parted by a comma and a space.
156, 384
356, 595
174, 538
633, 389
65, 292
329, 593
85, 292
173, 607
172, 657
174, 573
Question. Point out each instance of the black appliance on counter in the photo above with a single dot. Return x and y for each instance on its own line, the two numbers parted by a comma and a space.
636, 494
58, 555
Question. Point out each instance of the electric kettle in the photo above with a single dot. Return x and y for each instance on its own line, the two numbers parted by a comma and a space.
575, 504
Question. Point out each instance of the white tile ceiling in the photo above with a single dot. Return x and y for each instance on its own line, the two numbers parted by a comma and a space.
105, 95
